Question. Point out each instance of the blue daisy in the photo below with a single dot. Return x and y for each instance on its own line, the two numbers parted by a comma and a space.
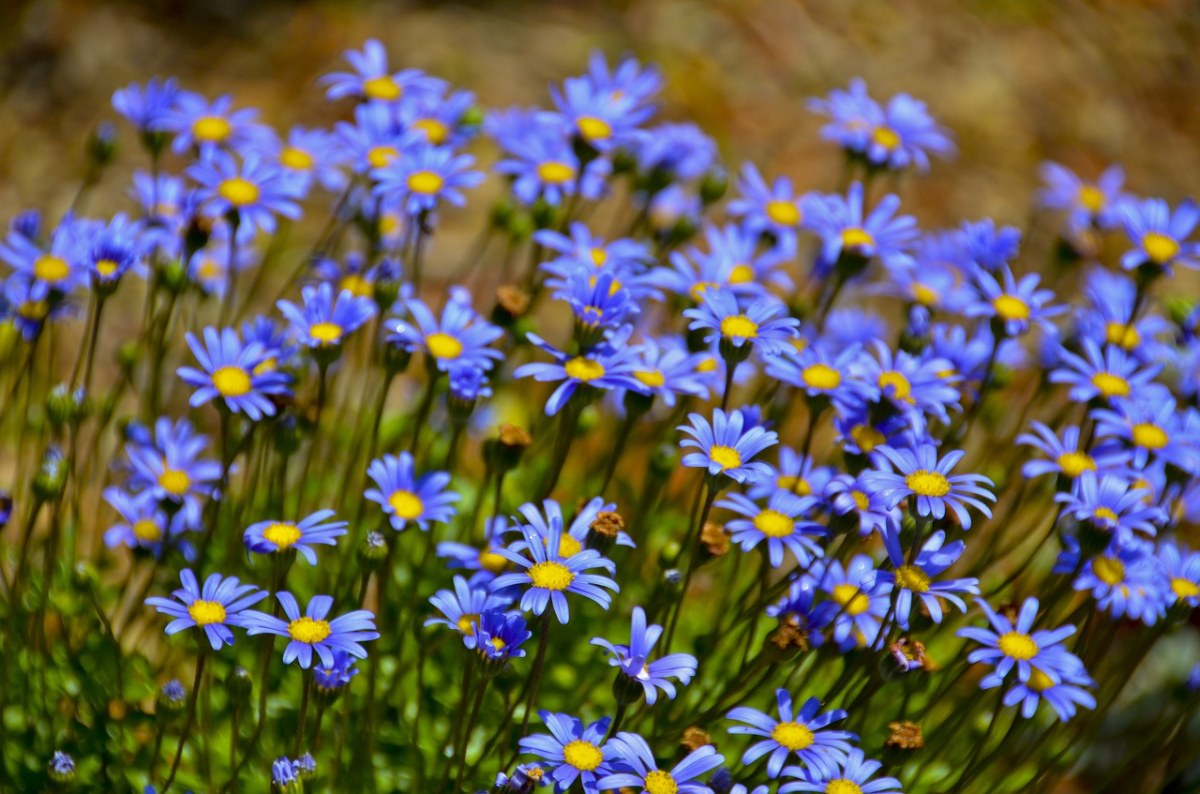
405, 497
1014, 306
571, 751
1008, 644
144, 524
1159, 234
332, 678
881, 234
207, 126
460, 337
426, 176
146, 105
1182, 570
859, 600
254, 191
278, 537
795, 473
780, 525
462, 606
802, 733
547, 575
169, 466
1127, 580
915, 580
372, 81
499, 635
852, 775
759, 323
921, 474
601, 368
1106, 374
726, 447
1086, 204
216, 606
230, 373
774, 210
1064, 456
1113, 505
549, 519
636, 768
322, 322
1063, 689
312, 632
860, 504
633, 660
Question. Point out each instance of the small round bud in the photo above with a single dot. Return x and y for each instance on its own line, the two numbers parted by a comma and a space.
714, 185
504, 452
373, 550
102, 144
240, 684
172, 697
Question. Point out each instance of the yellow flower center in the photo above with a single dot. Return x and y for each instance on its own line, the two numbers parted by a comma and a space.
774, 524
568, 546
1010, 307
146, 530
925, 295
866, 437
1073, 464
1105, 514
1149, 436
206, 612
599, 257
895, 384
1161, 248
707, 364
306, 629
406, 504
821, 376
785, 213
927, 483
910, 577
174, 481
551, 575
1016, 645
1109, 570
282, 534
1111, 385
51, 269
1184, 588
1122, 335
857, 237
466, 623
841, 785
33, 310
741, 274
1038, 681
231, 381
792, 735
650, 377
725, 457
491, 561
594, 129
554, 172
106, 267
851, 598
296, 159
326, 333
425, 182
357, 286
886, 137
436, 131
1091, 198
266, 365
382, 87
797, 485
739, 326
584, 369
582, 755
443, 346
211, 129
497, 643
660, 782
381, 156
389, 224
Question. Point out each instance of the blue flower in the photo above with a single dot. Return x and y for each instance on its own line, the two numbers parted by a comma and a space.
1111, 504
216, 606
208, 126
1182, 569
1065, 456
542, 164
1160, 235
1087, 204
53, 271
859, 601
725, 448
61, 767
331, 678
311, 632
852, 775
916, 580
796, 474
425, 176
897, 135
570, 751
1107, 374
779, 524
852, 115
372, 81
309, 155
881, 234
548, 575
254, 191
678, 151
630, 79
144, 524
1009, 645
549, 520
1127, 580
633, 660
796, 610
600, 117
921, 474
583, 247
406, 497
146, 106
636, 768
375, 139
230, 372
323, 322
822, 373
169, 466
1062, 688
460, 338
864, 505
599, 302
276, 537
915, 386
802, 733
605, 367
668, 370
1013, 306
758, 324
985, 246
462, 606
499, 636
1152, 428
774, 210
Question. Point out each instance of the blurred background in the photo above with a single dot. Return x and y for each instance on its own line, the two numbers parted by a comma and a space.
1019, 81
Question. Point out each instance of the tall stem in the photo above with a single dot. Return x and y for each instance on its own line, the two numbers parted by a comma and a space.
191, 718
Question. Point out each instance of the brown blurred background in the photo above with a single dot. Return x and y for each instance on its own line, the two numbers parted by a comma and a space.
1018, 81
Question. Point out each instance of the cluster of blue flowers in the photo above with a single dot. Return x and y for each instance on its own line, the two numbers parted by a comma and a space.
862, 457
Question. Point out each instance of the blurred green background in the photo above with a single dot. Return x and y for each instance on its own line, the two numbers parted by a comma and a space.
1018, 81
